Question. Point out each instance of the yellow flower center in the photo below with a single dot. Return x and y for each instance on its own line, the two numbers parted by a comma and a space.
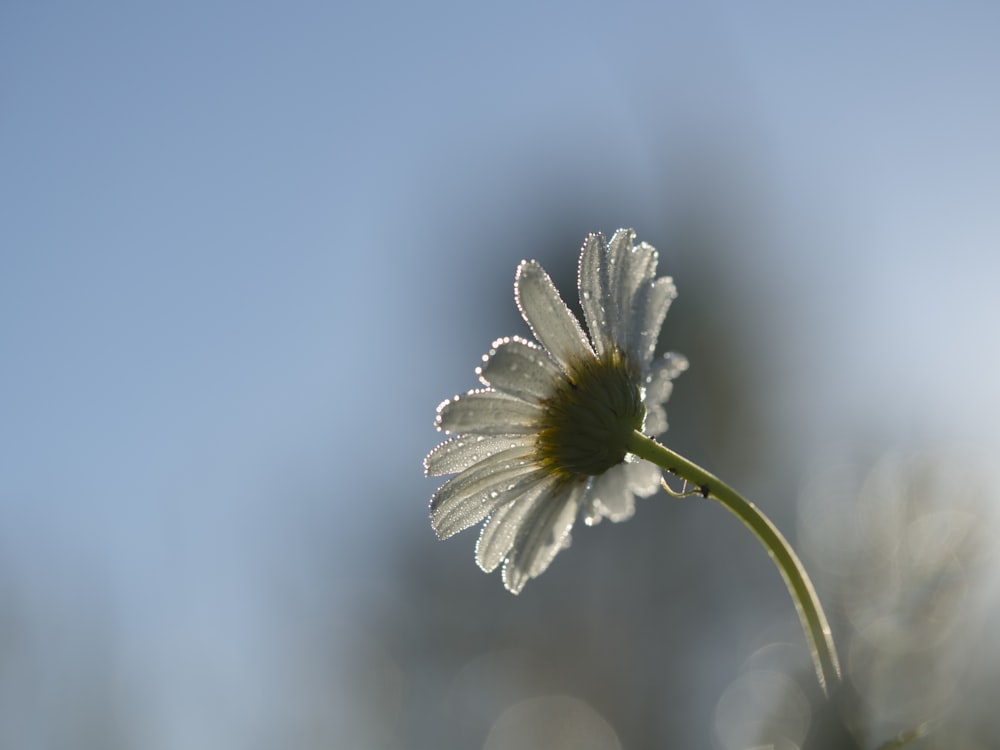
590, 417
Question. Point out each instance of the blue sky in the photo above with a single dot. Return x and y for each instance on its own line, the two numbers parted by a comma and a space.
245, 249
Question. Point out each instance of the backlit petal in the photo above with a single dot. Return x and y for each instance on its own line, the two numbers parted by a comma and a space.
659, 382
461, 452
488, 413
520, 368
542, 535
643, 477
592, 282
638, 268
609, 497
617, 297
550, 320
475, 493
504, 524
649, 309
656, 419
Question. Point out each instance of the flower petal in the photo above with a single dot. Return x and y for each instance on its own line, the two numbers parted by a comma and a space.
546, 314
488, 413
618, 297
469, 497
591, 285
542, 535
636, 268
656, 419
610, 497
459, 453
459, 514
643, 477
659, 382
649, 309
520, 368
504, 524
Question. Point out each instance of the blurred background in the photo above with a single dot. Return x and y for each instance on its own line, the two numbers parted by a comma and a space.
247, 248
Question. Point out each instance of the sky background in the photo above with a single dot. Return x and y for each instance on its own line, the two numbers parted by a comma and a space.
247, 248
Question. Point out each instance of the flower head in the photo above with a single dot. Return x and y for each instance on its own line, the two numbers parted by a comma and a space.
547, 435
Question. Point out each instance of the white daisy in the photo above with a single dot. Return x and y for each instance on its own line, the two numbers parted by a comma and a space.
546, 437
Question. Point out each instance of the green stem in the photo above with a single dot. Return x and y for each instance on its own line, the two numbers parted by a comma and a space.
814, 623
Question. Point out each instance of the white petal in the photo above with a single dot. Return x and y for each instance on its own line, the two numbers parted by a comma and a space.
649, 309
542, 535
659, 390
644, 265
460, 515
659, 382
643, 477
488, 413
618, 296
591, 286
638, 268
475, 493
501, 529
659, 385
591, 513
656, 419
610, 496
550, 320
461, 452
520, 368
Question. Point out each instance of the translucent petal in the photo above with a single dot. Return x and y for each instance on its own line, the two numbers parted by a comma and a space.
610, 496
591, 287
458, 515
591, 513
550, 320
501, 529
516, 460
659, 382
488, 413
475, 493
649, 309
542, 535
638, 268
643, 477
461, 452
659, 391
656, 419
520, 368
617, 296
646, 259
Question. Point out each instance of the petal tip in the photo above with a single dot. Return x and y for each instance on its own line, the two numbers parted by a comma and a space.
513, 584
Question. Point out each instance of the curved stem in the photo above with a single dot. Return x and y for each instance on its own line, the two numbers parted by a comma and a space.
811, 614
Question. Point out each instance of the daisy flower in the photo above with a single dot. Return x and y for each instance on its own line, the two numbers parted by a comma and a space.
545, 440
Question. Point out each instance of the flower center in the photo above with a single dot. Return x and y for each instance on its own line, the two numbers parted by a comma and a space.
590, 417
